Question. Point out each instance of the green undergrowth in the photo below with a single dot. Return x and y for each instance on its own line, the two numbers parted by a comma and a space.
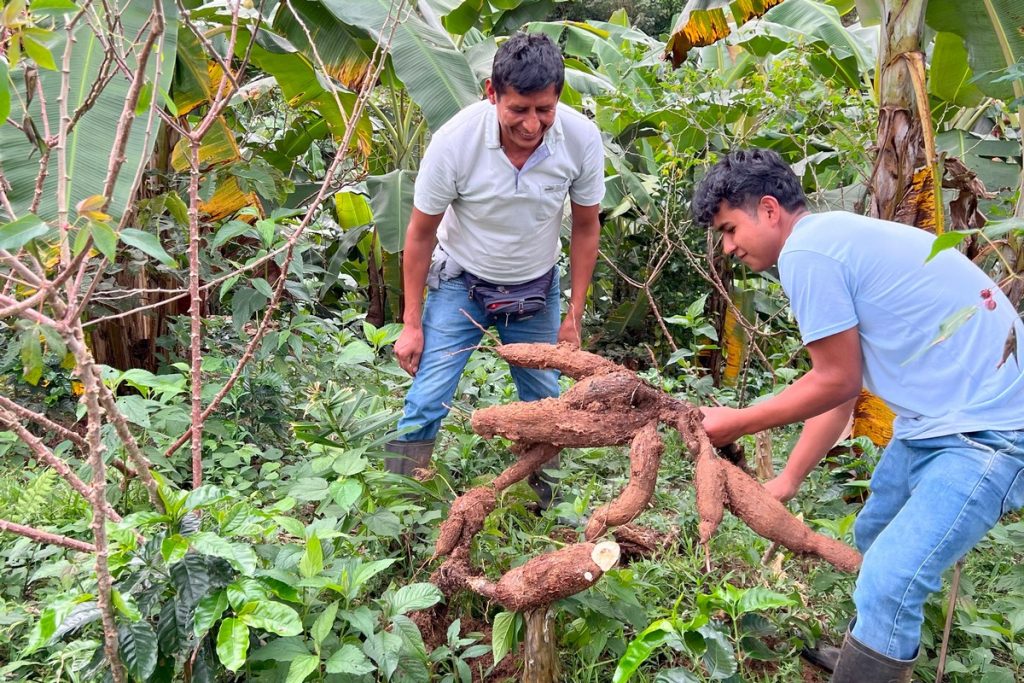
301, 559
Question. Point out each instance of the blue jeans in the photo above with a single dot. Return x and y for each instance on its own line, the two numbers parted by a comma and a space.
448, 339
931, 501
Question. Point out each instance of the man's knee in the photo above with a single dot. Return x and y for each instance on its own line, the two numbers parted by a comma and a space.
865, 530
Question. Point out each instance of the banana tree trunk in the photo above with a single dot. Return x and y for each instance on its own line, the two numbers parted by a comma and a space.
901, 144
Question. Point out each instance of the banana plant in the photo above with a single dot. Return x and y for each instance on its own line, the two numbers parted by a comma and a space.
32, 82
992, 41
704, 22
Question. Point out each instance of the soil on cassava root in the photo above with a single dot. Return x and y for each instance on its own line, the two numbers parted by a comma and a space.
608, 406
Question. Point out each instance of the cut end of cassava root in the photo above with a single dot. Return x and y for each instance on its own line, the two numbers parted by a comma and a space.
606, 555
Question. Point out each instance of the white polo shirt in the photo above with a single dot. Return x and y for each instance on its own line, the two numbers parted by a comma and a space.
502, 223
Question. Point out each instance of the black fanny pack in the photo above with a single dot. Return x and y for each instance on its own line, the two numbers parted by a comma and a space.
514, 301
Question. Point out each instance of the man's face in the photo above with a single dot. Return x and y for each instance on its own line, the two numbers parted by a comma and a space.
750, 236
523, 119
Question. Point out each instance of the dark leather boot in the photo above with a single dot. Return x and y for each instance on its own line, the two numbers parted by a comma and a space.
409, 456
860, 664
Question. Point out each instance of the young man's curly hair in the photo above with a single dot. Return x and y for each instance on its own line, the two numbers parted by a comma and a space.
741, 178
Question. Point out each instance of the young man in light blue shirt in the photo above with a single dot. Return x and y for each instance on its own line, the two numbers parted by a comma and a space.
870, 305
489, 201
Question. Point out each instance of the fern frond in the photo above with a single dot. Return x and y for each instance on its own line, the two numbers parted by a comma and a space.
35, 497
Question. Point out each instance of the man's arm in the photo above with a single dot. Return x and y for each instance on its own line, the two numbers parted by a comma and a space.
819, 435
419, 245
834, 379
586, 232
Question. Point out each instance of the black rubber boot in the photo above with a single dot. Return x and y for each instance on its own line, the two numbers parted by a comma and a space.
409, 456
542, 483
860, 664
822, 656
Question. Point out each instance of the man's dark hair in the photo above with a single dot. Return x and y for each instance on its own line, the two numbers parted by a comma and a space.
527, 63
741, 178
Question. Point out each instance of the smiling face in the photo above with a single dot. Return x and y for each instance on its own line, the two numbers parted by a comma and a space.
754, 237
523, 119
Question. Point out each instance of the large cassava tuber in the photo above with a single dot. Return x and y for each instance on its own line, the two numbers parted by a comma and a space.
603, 410
567, 359
709, 483
608, 406
550, 577
465, 519
769, 518
644, 460
531, 458
708, 476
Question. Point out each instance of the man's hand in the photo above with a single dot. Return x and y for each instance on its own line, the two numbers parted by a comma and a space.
570, 330
409, 348
782, 488
419, 244
724, 425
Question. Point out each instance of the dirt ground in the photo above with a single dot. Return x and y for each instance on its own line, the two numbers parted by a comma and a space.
433, 624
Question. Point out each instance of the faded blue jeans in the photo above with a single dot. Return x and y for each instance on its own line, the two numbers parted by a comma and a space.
931, 501
449, 337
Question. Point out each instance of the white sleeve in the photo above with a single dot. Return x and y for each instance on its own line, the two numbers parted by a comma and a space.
435, 182
588, 188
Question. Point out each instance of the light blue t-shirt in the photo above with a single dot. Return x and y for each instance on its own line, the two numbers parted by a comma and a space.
841, 270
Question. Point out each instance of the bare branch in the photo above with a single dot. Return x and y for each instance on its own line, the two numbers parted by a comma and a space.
4, 199
93, 389
209, 50
195, 313
711, 276
28, 313
33, 278
142, 464
46, 288
24, 413
124, 125
41, 536
152, 117
44, 163
199, 417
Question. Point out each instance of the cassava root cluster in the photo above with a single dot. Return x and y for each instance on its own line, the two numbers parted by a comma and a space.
608, 406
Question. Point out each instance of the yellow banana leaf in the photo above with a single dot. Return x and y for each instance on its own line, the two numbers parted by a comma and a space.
704, 22
872, 418
735, 338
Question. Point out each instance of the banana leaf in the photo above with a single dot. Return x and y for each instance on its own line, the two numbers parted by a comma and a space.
391, 197
92, 139
301, 84
436, 73
344, 49
704, 22
949, 76
993, 33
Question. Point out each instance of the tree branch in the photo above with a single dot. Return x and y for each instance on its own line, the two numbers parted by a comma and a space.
90, 379
199, 417
124, 125
195, 313
43, 421
41, 536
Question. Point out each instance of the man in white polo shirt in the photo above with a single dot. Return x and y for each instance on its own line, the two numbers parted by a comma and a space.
489, 203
